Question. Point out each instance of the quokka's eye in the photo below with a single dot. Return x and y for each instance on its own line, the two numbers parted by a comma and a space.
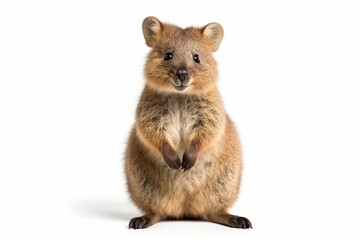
168, 56
196, 58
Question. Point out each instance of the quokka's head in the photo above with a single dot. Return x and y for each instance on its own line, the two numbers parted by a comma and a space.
181, 60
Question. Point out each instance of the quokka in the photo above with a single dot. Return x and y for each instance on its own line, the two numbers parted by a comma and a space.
183, 159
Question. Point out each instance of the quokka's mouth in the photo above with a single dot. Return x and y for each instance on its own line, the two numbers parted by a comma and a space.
180, 88
180, 85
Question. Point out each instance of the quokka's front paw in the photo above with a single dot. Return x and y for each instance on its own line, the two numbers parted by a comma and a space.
189, 158
171, 157
173, 161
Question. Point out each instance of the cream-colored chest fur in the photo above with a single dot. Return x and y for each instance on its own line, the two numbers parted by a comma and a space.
179, 122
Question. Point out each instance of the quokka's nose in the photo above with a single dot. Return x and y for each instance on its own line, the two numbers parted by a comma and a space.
182, 74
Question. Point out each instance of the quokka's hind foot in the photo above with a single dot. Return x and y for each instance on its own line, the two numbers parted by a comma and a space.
144, 221
230, 220
240, 222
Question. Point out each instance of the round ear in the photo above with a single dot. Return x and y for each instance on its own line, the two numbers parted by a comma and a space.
214, 32
151, 28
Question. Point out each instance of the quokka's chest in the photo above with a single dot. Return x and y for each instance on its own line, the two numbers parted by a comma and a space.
177, 117
179, 121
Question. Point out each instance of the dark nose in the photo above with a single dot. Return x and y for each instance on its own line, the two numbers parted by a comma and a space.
182, 74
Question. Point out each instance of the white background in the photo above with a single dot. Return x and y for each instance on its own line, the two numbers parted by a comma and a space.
71, 75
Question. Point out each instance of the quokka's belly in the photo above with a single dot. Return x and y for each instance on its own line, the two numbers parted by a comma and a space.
203, 189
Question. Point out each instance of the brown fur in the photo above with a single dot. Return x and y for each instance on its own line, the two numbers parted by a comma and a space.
183, 158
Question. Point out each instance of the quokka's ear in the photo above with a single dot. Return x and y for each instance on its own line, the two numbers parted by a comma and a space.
151, 29
213, 32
